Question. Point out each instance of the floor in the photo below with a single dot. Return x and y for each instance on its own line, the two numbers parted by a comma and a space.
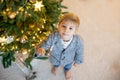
41, 67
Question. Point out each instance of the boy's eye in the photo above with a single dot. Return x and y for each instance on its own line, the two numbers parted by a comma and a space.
64, 26
70, 28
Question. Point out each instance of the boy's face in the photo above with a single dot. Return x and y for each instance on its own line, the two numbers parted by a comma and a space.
67, 29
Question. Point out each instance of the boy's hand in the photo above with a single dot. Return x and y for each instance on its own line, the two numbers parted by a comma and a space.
41, 51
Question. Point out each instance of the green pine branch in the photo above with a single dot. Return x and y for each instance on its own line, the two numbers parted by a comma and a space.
29, 28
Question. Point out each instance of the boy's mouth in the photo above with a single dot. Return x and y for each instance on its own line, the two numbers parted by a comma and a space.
66, 40
65, 34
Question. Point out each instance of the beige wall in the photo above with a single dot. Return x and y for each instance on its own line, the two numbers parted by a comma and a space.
100, 29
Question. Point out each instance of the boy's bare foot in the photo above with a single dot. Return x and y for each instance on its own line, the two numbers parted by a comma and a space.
68, 75
54, 70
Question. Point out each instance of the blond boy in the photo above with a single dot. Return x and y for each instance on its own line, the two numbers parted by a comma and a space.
66, 47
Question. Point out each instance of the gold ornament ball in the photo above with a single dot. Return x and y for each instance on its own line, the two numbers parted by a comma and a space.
23, 39
31, 26
11, 15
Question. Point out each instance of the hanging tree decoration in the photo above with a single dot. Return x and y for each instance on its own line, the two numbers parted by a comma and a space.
12, 15
24, 24
23, 39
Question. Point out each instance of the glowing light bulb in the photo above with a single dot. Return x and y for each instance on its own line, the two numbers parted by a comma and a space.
2, 40
33, 37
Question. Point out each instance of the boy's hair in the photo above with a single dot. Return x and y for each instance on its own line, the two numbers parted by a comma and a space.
70, 17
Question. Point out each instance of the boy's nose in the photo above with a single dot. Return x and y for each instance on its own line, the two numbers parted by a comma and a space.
66, 30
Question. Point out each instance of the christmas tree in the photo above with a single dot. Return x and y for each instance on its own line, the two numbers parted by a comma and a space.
24, 24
